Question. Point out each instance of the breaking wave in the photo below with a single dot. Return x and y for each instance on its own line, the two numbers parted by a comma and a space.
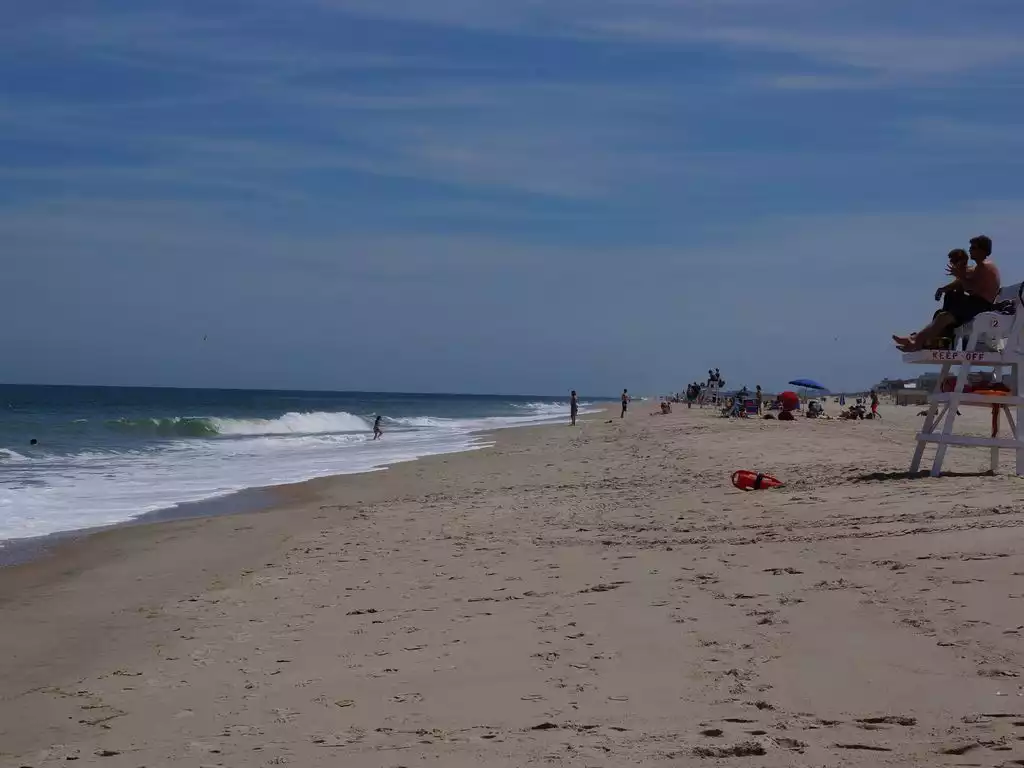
317, 423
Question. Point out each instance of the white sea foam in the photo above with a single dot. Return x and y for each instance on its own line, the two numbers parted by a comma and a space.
51, 493
425, 422
292, 424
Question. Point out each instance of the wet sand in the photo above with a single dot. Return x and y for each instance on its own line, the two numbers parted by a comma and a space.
591, 597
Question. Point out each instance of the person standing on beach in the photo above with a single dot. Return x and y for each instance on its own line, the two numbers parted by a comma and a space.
377, 431
874, 404
760, 399
574, 407
625, 403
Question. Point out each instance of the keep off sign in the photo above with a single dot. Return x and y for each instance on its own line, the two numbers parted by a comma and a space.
950, 356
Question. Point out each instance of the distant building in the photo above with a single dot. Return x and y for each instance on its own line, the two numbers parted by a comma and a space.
916, 391
889, 386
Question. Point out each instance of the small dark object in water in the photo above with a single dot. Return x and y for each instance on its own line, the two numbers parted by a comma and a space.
33, 441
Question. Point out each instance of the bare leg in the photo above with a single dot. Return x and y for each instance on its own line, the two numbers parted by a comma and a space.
920, 340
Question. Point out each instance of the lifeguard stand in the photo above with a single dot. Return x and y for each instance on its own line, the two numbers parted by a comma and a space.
994, 340
711, 394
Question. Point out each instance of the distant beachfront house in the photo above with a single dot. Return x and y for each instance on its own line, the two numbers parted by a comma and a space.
910, 394
891, 386
895, 387
915, 391
907, 391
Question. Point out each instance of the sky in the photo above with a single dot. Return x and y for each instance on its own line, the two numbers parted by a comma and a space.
515, 196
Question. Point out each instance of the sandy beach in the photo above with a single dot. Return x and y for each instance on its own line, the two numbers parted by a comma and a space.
599, 596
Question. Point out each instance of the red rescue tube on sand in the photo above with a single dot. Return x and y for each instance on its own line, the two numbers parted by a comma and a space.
746, 480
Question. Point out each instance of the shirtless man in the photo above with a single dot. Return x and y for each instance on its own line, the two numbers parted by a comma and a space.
972, 292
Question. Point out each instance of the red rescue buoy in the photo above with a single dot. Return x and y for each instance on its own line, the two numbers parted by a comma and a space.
746, 480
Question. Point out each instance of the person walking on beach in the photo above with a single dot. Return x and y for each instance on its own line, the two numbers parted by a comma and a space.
625, 403
377, 431
874, 404
760, 399
574, 407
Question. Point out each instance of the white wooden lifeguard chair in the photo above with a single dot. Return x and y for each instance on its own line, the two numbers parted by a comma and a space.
710, 394
993, 340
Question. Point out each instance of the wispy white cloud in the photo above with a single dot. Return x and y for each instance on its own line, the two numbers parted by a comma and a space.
563, 140
188, 42
269, 111
863, 35
822, 82
981, 135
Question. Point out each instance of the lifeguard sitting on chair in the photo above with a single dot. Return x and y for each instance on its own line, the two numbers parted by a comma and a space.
972, 292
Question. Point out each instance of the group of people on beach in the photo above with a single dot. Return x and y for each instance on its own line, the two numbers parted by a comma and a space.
973, 290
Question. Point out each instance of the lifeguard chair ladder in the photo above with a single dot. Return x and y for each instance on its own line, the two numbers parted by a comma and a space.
994, 340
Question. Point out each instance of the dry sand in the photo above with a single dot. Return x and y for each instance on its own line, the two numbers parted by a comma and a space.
591, 597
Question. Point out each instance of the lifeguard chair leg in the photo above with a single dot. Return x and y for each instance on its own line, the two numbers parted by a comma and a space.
994, 450
1016, 426
947, 427
997, 411
930, 419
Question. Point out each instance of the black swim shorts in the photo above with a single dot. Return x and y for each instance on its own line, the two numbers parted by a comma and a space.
964, 307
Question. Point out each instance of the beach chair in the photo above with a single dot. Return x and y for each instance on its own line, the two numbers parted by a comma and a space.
992, 340
750, 407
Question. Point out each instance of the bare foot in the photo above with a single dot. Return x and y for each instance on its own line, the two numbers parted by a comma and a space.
902, 341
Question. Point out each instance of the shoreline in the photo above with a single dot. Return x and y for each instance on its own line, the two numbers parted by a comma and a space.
600, 593
19, 551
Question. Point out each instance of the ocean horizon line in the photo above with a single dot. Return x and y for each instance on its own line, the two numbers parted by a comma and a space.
279, 390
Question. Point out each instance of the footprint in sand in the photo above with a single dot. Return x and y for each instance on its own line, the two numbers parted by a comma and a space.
743, 749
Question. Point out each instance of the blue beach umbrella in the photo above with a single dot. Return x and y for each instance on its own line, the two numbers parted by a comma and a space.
808, 384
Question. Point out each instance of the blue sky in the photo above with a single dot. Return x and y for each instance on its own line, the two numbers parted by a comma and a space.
495, 195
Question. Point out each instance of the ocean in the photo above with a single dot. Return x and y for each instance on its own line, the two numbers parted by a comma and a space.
107, 455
